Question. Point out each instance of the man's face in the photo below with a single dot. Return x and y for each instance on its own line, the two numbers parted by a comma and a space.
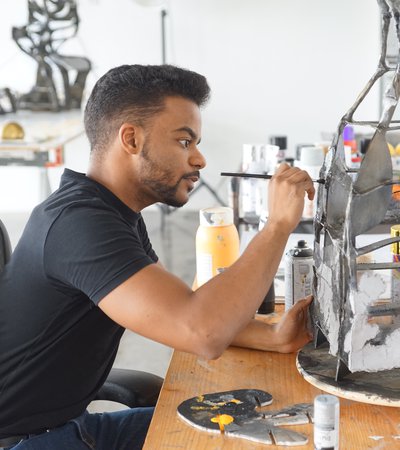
170, 160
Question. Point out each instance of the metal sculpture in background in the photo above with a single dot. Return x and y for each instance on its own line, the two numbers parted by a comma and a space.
50, 24
350, 309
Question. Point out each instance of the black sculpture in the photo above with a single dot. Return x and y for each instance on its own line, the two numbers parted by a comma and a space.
7, 101
50, 24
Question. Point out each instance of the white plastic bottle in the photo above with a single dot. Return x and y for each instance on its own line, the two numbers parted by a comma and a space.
311, 160
217, 243
326, 422
251, 189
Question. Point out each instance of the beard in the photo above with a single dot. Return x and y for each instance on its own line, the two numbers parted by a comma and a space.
157, 179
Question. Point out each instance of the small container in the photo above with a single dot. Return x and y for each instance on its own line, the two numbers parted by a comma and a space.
326, 422
299, 263
252, 191
268, 304
311, 160
395, 278
350, 148
217, 243
281, 142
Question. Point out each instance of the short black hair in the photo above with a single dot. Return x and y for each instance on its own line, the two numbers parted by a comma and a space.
137, 92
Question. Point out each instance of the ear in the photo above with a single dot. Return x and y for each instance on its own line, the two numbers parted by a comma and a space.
131, 138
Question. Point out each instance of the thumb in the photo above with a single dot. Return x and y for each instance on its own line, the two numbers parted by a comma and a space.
300, 307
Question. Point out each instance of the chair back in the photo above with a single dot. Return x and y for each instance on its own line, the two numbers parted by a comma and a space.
5, 246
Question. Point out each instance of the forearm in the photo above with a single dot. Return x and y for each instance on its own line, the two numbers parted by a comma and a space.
235, 295
288, 335
258, 336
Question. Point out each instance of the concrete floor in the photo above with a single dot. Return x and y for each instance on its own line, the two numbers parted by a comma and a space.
174, 241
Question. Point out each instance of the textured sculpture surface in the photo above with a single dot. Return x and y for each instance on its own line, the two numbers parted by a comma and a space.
350, 308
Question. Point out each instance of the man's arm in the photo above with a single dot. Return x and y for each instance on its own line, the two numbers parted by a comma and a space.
158, 305
290, 334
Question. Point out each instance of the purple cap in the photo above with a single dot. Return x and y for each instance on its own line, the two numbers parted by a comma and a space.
348, 133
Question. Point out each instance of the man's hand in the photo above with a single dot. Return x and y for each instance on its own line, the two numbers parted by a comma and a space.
287, 336
291, 331
286, 196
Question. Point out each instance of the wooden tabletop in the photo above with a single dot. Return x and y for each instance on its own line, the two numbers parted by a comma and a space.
362, 426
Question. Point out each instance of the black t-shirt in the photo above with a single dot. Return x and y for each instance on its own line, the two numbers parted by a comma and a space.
56, 346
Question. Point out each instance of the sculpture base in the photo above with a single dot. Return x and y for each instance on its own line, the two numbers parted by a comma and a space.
318, 367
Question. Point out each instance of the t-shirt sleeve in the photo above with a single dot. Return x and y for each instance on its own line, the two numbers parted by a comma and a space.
94, 250
145, 240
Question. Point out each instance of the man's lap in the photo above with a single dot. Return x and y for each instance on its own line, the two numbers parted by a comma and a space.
120, 430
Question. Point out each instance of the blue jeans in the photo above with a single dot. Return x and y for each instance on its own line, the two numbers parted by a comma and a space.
120, 430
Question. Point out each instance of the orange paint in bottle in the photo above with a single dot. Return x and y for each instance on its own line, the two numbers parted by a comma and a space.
217, 243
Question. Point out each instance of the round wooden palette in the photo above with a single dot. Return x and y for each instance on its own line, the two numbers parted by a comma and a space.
318, 367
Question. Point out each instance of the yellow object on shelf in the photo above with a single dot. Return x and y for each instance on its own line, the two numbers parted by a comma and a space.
394, 232
12, 130
392, 150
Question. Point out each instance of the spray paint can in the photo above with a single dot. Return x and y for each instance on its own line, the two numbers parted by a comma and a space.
298, 273
326, 422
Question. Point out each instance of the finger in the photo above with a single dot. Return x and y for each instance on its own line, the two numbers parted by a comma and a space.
297, 176
303, 303
307, 300
283, 167
302, 177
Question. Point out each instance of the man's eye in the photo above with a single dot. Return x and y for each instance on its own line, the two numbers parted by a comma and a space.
185, 142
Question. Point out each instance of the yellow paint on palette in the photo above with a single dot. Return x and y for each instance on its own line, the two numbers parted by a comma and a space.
222, 420
204, 408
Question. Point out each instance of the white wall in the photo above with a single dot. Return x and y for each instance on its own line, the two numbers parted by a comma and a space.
275, 66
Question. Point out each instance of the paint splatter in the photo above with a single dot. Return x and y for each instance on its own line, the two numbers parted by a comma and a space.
376, 438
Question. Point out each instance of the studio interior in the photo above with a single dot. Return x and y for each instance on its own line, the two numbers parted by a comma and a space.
310, 84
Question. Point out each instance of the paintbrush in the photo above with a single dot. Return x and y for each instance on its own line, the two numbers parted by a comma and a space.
259, 175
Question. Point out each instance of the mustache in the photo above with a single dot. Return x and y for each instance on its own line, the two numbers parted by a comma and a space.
192, 174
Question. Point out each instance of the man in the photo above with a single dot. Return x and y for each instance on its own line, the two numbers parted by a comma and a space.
84, 269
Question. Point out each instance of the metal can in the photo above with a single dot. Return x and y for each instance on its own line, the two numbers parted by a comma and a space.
298, 273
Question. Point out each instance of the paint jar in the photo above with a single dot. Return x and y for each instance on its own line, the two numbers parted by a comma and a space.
268, 304
351, 155
281, 142
252, 190
326, 422
311, 160
217, 243
395, 278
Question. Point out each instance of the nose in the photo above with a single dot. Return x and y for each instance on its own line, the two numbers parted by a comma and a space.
197, 159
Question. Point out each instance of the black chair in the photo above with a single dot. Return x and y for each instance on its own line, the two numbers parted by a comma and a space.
133, 388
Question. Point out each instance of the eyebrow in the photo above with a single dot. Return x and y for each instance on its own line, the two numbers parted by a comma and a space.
189, 131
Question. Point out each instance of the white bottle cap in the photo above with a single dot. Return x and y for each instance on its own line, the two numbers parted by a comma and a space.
219, 216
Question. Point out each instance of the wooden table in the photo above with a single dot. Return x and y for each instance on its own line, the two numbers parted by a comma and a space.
362, 426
